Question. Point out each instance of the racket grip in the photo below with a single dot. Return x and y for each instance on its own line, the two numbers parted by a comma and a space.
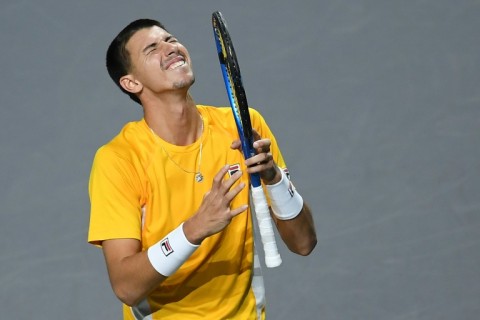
272, 257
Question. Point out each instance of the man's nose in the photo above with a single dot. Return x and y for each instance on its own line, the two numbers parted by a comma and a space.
170, 48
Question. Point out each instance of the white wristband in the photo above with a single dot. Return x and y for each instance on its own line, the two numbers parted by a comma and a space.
286, 202
168, 254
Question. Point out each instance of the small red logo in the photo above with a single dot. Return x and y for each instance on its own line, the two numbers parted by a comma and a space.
166, 247
233, 168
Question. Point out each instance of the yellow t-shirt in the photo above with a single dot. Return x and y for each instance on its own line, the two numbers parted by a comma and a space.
142, 187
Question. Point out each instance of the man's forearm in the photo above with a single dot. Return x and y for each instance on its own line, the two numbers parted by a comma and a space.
131, 273
298, 233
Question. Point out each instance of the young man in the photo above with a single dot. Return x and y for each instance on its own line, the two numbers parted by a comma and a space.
169, 194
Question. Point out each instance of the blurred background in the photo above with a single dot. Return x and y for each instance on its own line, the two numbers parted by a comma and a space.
375, 104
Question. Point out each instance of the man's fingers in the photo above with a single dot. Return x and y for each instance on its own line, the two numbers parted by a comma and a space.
230, 195
223, 185
256, 136
220, 174
237, 144
230, 181
262, 161
262, 145
237, 211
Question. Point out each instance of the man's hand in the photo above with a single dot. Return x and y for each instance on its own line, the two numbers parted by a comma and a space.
298, 233
215, 213
262, 162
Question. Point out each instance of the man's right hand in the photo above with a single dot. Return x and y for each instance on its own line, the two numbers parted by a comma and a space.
215, 213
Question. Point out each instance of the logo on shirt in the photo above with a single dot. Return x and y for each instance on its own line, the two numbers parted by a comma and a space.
233, 168
166, 247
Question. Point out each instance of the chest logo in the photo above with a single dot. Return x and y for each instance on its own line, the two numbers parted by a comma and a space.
233, 168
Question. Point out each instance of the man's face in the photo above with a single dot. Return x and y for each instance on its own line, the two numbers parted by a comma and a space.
159, 61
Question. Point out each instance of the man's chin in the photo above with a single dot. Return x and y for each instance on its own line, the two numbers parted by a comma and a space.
184, 83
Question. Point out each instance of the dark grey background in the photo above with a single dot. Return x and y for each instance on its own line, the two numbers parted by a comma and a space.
375, 105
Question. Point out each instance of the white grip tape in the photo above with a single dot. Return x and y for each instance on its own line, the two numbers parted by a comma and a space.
272, 257
167, 255
285, 200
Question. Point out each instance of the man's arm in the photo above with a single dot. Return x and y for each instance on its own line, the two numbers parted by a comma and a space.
299, 232
131, 271
131, 274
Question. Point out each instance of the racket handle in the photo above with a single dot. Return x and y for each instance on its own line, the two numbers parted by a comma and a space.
272, 257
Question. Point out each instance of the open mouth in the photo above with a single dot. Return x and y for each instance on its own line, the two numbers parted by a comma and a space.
175, 63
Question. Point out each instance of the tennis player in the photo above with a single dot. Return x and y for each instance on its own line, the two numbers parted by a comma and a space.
169, 194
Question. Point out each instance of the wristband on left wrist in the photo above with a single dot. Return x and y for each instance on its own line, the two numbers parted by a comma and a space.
285, 201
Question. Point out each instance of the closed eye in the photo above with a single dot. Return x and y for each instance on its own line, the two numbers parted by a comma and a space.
150, 48
171, 39
154, 45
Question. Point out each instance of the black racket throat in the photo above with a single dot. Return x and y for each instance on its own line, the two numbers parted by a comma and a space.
228, 58
238, 101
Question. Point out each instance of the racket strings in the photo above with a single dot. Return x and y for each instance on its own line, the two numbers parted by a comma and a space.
237, 95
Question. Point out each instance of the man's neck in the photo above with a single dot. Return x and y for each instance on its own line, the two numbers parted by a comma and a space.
175, 119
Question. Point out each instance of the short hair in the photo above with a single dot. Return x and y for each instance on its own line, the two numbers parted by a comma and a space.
118, 58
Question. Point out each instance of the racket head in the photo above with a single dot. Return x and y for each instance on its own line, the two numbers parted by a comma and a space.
238, 101
233, 82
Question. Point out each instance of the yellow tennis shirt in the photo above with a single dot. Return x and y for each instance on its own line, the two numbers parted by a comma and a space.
142, 187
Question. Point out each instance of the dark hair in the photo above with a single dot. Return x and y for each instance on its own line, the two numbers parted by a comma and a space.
118, 58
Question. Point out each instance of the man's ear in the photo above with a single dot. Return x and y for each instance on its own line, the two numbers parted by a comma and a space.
130, 84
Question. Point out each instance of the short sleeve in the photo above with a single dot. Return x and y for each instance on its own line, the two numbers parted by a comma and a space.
115, 195
261, 126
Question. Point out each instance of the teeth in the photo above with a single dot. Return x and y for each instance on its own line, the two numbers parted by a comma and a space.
176, 65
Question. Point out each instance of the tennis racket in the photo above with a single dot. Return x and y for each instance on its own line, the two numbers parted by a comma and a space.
238, 102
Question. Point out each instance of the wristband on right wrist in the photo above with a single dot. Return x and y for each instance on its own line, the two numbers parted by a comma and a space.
285, 201
168, 254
